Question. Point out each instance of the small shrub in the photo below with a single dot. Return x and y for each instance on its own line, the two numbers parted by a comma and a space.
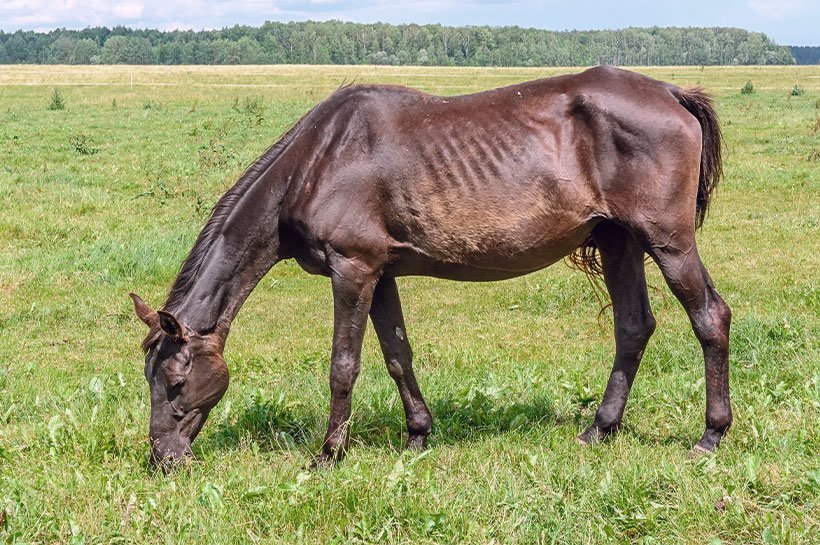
797, 91
747, 89
57, 102
83, 144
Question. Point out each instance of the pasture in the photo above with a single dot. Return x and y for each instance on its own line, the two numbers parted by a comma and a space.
106, 196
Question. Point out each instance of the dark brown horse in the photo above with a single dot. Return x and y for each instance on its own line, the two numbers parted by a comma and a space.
378, 182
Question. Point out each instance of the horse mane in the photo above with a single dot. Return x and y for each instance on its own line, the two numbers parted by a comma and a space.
219, 214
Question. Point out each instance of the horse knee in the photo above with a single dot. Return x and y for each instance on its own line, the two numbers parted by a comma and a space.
395, 369
343, 376
396, 358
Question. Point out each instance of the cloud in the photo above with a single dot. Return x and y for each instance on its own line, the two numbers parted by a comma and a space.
777, 9
128, 10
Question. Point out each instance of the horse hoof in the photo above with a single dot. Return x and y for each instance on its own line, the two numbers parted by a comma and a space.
323, 461
416, 443
591, 436
697, 451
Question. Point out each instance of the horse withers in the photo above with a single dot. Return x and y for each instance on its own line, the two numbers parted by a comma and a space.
378, 182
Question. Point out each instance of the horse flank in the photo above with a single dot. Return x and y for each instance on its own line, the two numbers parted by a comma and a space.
587, 259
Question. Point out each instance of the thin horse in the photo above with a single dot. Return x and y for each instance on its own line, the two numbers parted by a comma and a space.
379, 182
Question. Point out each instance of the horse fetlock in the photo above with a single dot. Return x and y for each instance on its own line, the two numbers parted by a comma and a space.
420, 423
719, 424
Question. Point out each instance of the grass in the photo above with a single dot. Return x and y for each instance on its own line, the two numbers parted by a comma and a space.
108, 194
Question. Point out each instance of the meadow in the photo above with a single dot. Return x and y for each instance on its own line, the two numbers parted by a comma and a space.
107, 195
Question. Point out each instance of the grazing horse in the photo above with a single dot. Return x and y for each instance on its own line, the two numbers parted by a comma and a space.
378, 182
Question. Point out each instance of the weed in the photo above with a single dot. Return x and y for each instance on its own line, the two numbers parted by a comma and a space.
82, 144
157, 189
251, 108
214, 154
748, 88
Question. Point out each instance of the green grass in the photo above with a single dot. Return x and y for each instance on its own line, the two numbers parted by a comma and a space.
107, 196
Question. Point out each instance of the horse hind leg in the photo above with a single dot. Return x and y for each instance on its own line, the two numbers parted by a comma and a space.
623, 265
710, 316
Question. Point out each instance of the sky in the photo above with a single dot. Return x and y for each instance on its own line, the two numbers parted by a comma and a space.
787, 22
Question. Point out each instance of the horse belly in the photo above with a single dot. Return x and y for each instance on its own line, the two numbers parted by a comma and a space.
491, 240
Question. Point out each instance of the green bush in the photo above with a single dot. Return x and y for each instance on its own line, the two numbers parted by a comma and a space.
797, 91
57, 102
747, 89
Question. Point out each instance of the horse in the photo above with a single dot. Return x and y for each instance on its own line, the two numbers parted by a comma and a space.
378, 182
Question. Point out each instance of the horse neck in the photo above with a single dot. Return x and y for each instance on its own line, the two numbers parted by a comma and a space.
239, 252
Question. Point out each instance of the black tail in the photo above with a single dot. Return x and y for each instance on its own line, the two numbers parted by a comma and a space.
586, 257
711, 163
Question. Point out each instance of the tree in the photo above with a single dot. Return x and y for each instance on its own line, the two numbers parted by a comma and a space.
120, 49
85, 52
62, 50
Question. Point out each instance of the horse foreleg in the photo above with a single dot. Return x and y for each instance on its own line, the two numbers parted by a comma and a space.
353, 285
622, 258
388, 322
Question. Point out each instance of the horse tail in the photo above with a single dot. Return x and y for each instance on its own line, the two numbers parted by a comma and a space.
698, 103
587, 259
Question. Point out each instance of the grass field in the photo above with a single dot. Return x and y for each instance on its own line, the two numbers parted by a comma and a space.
107, 195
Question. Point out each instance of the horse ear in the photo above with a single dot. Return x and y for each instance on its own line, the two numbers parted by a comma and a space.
144, 312
171, 326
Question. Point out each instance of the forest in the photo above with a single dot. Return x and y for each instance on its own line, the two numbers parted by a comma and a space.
336, 42
806, 54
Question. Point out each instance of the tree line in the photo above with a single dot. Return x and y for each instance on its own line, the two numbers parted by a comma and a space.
806, 54
336, 42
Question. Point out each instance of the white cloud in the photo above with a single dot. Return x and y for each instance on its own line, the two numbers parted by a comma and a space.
776, 9
128, 10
